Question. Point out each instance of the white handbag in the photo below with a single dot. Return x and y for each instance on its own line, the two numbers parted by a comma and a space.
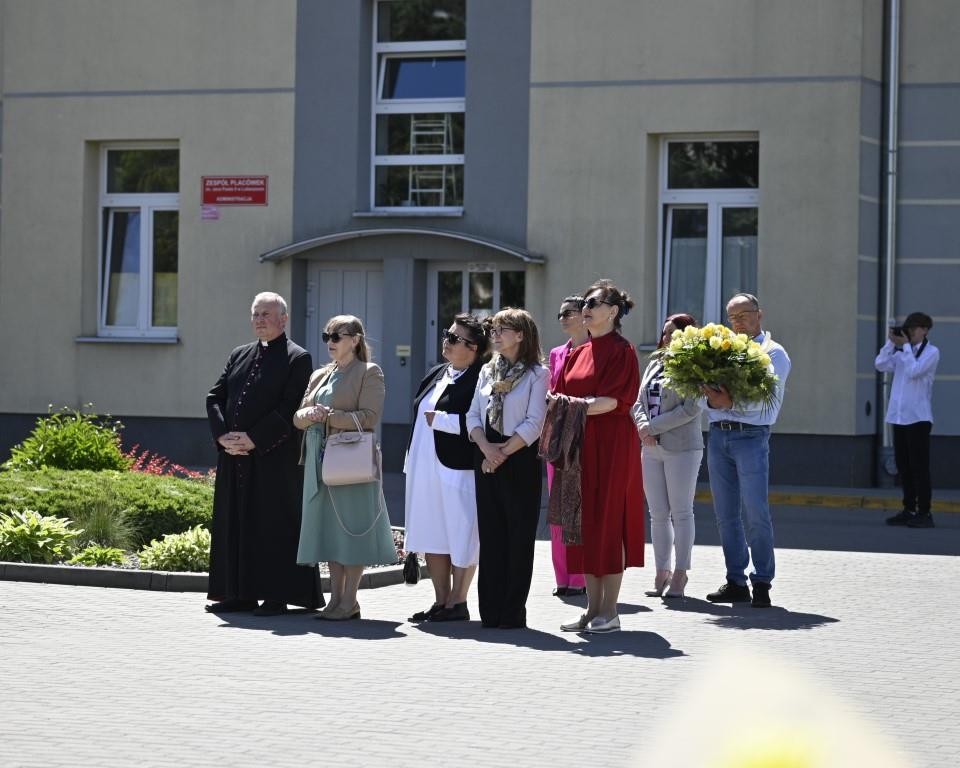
351, 457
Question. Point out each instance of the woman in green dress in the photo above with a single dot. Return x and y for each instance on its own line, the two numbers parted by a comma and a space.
346, 526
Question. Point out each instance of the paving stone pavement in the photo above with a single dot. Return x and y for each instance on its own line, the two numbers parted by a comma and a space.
113, 677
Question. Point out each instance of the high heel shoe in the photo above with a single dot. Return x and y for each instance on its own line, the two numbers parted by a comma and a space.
677, 585
659, 584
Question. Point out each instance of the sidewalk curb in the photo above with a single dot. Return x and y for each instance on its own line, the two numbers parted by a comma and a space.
161, 581
840, 500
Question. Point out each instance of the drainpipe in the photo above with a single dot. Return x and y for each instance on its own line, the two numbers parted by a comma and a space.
886, 463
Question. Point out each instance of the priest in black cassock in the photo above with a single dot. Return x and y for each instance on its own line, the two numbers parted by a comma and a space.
258, 494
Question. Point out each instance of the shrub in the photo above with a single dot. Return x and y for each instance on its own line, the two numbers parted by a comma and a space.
187, 551
71, 439
29, 537
150, 505
97, 555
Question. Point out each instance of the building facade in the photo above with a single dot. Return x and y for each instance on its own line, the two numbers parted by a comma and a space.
404, 160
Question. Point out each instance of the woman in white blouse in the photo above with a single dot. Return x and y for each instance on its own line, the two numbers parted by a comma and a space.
441, 509
504, 421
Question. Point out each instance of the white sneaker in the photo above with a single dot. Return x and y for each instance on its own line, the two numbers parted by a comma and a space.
600, 625
580, 625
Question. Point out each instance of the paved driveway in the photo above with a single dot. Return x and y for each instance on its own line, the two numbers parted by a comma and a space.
104, 677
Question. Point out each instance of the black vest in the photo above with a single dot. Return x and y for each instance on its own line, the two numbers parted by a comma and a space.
453, 451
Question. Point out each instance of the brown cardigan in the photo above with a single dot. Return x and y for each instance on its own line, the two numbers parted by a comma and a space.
360, 390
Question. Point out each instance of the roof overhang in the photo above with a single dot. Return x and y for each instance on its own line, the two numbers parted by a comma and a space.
294, 249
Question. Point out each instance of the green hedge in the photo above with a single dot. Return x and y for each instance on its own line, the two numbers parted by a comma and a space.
152, 505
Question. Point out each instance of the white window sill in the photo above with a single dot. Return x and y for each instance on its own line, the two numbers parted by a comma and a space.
127, 339
410, 213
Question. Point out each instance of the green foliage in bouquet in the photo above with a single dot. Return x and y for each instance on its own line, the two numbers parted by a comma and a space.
716, 355
187, 551
29, 537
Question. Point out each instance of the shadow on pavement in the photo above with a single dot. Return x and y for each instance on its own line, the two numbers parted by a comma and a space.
647, 645
834, 529
623, 609
743, 616
305, 624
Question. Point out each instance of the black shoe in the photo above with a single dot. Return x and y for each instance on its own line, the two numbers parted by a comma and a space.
761, 595
921, 520
560, 591
425, 615
270, 608
576, 591
459, 612
231, 606
731, 592
902, 517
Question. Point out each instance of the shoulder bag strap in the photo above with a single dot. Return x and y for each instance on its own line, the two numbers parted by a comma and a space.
380, 503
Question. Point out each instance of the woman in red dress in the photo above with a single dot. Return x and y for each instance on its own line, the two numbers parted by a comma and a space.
605, 371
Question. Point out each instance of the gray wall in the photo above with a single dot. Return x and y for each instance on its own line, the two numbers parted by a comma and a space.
332, 126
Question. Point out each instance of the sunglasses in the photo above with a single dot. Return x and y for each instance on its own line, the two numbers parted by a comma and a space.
593, 302
567, 313
447, 337
335, 337
498, 330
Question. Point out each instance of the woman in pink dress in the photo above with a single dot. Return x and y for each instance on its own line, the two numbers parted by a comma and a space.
571, 323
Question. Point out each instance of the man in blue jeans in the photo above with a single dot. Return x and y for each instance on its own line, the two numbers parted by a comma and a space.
738, 460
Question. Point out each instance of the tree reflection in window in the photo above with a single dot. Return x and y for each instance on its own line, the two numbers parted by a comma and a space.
713, 165
406, 21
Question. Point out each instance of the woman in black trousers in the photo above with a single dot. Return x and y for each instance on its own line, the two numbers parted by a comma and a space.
504, 422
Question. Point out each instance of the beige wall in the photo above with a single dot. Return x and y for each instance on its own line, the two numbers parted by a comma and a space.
594, 160
50, 186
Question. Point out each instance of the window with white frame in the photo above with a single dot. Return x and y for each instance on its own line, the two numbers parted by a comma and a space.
709, 198
418, 105
139, 232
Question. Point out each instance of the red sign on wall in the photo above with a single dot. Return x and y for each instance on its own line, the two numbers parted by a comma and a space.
234, 190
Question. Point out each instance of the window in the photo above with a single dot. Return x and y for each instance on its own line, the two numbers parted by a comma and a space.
419, 90
479, 288
709, 195
139, 204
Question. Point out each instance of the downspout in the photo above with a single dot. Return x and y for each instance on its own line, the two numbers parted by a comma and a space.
887, 465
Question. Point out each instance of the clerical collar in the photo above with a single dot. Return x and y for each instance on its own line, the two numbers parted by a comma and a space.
277, 340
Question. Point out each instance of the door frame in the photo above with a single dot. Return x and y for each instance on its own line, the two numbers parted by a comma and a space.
497, 267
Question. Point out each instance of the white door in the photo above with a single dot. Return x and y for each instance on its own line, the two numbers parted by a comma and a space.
344, 289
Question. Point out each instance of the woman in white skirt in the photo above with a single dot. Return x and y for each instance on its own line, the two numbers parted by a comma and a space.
441, 501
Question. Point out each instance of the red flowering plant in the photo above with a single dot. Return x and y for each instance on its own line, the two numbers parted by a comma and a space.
152, 463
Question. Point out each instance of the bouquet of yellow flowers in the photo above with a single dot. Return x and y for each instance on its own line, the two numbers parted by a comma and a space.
715, 355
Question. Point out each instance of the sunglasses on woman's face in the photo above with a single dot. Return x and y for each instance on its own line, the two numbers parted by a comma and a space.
335, 337
567, 313
498, 330
593, 302
452, 339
